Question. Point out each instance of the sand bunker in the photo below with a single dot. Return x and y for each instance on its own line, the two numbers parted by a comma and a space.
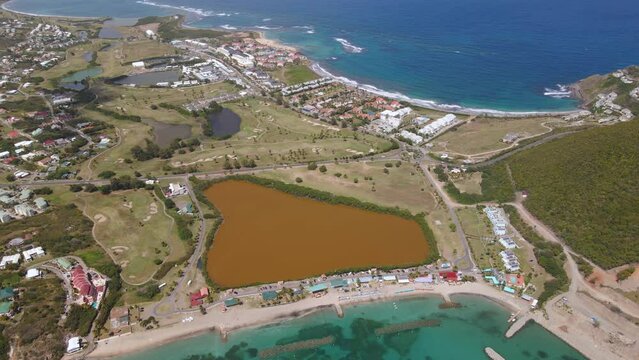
99, 218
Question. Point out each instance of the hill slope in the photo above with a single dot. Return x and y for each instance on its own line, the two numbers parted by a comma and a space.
586, 187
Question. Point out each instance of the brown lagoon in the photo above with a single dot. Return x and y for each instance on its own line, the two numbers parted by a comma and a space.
268, 235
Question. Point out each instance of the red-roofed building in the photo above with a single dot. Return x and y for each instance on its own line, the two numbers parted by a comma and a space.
515, 280
449, 276
13, 134
81, 282
197, 298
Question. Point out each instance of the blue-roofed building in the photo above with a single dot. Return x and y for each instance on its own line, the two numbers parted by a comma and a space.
269, 295
317, 288
365, 279
231, 302
6, 293
509, 290
338, 283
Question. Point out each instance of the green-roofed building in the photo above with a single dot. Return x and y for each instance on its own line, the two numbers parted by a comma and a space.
231, 302
269, 295
5, 307
64, 263
317, 288
6, 293
339, 283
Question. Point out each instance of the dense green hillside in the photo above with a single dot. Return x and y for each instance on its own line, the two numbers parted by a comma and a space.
586, 187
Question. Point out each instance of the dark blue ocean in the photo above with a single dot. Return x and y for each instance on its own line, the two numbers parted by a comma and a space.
497, 54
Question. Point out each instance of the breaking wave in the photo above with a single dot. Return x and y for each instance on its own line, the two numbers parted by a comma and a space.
196, 11
349, 47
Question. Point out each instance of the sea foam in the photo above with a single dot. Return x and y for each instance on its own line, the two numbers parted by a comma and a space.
348, 46
196, 11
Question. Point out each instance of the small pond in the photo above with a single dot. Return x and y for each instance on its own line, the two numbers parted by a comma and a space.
149, 78
164, 133
74, 81
224, 123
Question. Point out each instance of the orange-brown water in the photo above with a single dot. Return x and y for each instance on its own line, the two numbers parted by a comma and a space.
268, 236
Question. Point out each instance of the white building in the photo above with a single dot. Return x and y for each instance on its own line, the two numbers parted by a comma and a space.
138, 64
507, 242
24, 210
497, 219
244, 60
177, 190
33, 273
9, 260
33, 253
4, 217
21, 144
74, 345
412, 137
437, 125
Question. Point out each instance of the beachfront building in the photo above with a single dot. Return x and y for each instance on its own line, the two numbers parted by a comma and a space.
197, 298
119, 317
437, 125
231, 302
510, 260
318, 288
269, 295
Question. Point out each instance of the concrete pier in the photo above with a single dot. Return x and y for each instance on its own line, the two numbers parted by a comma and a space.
517, 325
494, 355
339, 310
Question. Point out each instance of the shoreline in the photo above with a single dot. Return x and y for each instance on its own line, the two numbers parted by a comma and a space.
5, 8
320, 71
236, 319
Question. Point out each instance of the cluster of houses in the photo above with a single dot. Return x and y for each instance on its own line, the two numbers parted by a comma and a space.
28, 254
500, 224
613, 112
19, 204
250, 53
39, 138
41, 46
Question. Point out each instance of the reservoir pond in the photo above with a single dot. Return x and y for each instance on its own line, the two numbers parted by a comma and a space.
268, 235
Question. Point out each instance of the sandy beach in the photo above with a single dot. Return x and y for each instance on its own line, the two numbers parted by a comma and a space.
590, 344
262, 39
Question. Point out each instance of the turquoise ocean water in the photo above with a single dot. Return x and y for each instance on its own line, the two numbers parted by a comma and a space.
497, 54
462, 334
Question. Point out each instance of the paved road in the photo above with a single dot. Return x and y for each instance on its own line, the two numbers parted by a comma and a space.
391, 155
467, 258
578, 283
508, 154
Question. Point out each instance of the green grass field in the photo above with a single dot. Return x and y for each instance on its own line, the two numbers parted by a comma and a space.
294, 74
404, 186
485, 134
132, 226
